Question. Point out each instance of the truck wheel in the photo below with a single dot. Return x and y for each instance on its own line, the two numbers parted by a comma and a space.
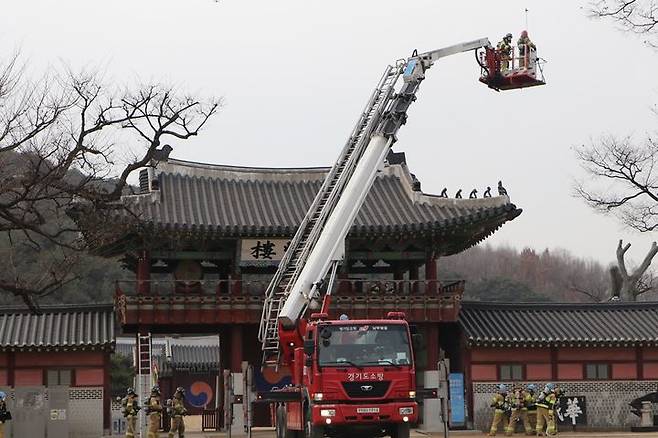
311, 431
282, 430
401, 430
280, 422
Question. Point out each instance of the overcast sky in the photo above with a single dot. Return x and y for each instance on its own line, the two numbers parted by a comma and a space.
296, 74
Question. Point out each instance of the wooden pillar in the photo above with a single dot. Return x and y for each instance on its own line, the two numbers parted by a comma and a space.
554, 364
236, 348
430, 274
106, 391
468, 382
639, 360
236, 283
432, 346
144, 273
413, 277
11, 369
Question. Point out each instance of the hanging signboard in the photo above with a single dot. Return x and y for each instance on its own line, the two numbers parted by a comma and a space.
257, 252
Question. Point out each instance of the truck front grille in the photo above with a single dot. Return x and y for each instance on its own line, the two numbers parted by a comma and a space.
366, 389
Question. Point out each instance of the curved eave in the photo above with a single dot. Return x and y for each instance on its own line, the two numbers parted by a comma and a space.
464, 231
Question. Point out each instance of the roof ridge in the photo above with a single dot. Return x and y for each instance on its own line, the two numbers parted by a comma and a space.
58, 308
232, 167
493, 305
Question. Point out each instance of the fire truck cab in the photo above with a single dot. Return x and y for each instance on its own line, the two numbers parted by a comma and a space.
359, 376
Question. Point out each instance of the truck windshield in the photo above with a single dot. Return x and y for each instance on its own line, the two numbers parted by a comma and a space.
364, 345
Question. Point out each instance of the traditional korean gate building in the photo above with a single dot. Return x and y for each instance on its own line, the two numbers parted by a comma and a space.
604, 352
203, 241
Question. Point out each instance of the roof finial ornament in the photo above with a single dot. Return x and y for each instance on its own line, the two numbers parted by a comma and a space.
473, 194
458, 195
444, 193
487, 193
501, 190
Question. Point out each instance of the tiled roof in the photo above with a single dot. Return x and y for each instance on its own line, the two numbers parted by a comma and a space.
243, 201
57, 328
195, 357
610, 324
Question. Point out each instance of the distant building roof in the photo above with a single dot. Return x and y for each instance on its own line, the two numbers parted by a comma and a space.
528, 325
57, 328
232, 201
185, 354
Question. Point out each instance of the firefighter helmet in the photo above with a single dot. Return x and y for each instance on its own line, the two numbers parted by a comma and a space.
524, 34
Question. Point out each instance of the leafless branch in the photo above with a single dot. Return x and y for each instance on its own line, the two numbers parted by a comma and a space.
637, 16
61, 137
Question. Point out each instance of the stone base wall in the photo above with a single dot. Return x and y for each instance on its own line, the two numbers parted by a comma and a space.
607, 401
86, 412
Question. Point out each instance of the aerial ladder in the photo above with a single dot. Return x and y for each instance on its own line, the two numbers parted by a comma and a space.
318, 245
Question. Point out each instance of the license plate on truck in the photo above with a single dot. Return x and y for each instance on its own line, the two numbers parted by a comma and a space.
367, 410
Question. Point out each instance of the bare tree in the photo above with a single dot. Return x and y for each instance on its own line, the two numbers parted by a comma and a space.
637, 16
623, 180
628, 286
70, 138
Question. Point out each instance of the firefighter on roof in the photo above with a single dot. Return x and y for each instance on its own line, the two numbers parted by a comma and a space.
500, 405
177, 411
505, 52
154, 411
130, 411
526, 47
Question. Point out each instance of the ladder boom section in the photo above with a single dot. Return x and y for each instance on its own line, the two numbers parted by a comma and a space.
324, 203
435, 55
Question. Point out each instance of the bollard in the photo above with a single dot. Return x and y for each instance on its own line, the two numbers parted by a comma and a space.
647, 414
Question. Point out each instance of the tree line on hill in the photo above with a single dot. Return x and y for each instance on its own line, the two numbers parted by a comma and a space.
506, 274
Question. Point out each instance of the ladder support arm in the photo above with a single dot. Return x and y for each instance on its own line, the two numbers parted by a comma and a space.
431, 57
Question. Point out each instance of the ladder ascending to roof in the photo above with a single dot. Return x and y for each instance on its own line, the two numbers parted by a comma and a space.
321, 208
144, 364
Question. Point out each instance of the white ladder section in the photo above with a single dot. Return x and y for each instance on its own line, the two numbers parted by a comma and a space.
144, 364
309, 230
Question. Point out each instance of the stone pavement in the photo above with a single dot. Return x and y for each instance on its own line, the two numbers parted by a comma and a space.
269, 433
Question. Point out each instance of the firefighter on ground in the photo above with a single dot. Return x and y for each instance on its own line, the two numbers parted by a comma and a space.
519, 411
177, 412
526, 48
505, 52
529, 400
545, 411
500, 406
5, 415
130, 411
154, 412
